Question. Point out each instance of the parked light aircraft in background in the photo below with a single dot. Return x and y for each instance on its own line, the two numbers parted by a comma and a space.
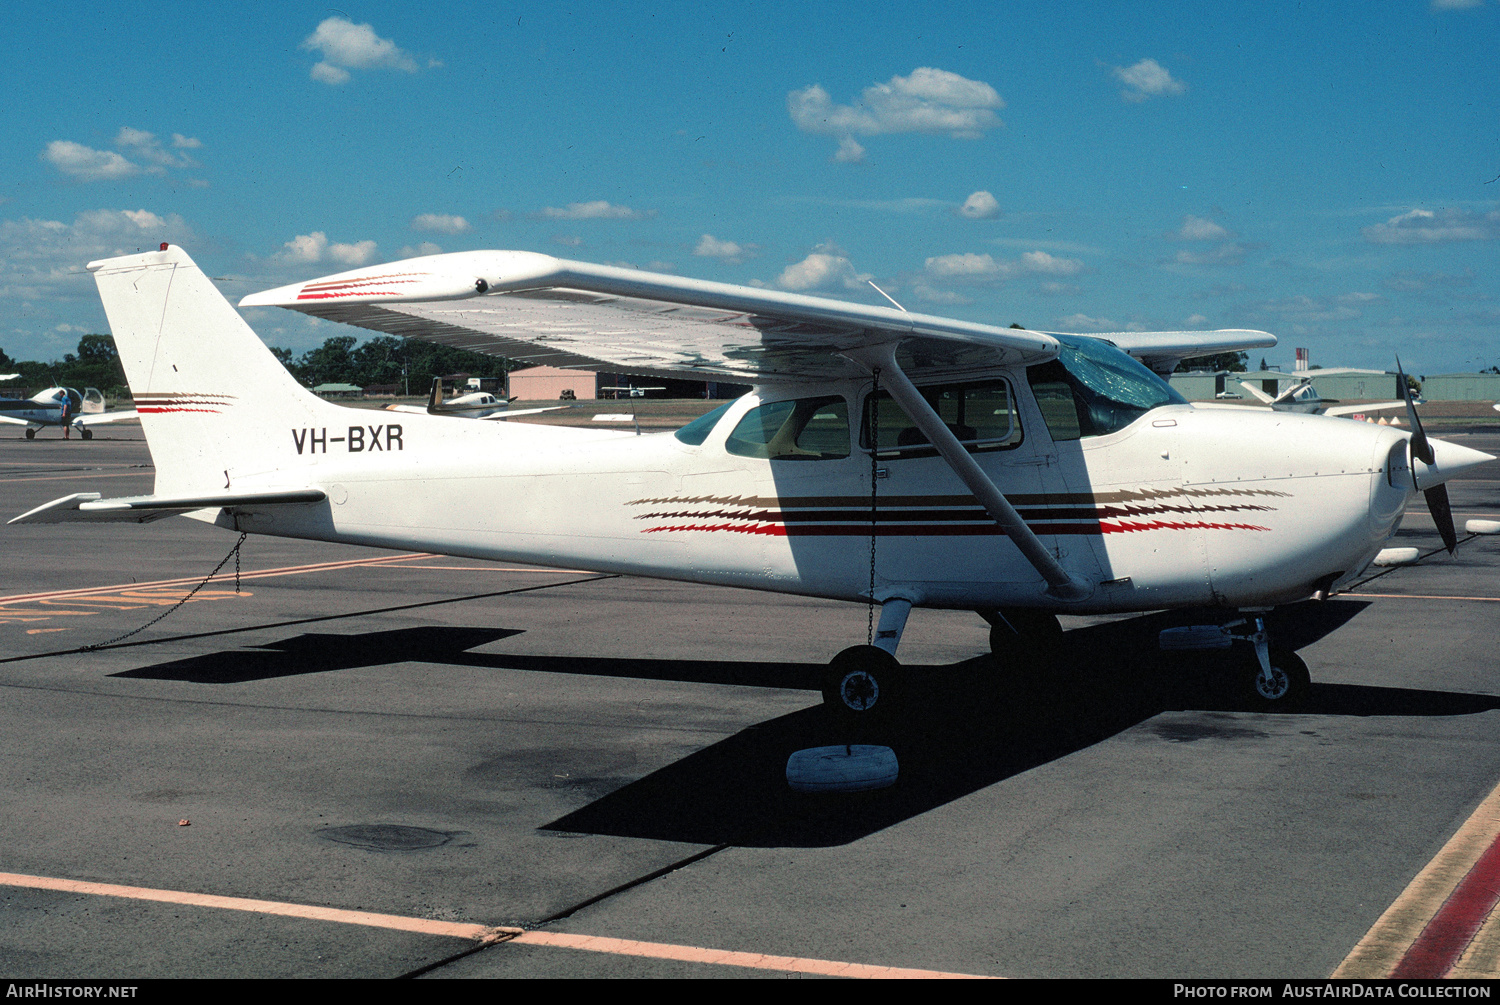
883, 456
60, 406
475, 405
1303, 397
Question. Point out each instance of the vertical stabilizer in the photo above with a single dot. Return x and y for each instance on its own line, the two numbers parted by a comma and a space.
207, 389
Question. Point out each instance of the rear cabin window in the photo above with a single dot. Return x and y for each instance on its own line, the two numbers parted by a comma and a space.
806, 429
982, 414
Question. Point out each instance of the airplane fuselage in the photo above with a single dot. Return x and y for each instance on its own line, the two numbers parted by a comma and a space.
1181, 507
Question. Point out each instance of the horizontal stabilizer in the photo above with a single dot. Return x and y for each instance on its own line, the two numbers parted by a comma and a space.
88, 507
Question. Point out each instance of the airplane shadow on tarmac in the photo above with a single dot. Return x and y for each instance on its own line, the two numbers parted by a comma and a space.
968, 725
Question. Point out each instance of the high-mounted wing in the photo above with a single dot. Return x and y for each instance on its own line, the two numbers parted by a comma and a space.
538, 309
543, 310
1162, 351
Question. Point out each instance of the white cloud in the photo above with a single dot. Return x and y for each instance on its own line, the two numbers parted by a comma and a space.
596, 210
327, 73
1057, 289
1196, 228
87, 164
1359, 298
442, 223
1195, 320
980, 206
849, 151
1228, 253
967, 265
425, 248
822, 270
182, 142
1305, 308
314, 247
352, 254
1082, 321
149, 148
1423, 226
971, 268
929, 100
727, 251
1040, 261
660, 267
346, 45
1147, 79
933, 295
567, 240
44, 259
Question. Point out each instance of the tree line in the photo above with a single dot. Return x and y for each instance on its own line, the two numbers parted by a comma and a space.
342, 359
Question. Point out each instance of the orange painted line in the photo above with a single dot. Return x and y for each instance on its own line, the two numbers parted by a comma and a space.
486, 568
1415, 596
81, 474
289, 570
370, 919
482, 933
729, 958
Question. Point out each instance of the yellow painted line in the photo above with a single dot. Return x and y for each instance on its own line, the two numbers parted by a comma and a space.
370, 919
1383, 946
1415, 596
482, 934
729, 958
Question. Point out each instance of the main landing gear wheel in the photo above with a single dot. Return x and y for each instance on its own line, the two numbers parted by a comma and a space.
87, 434
31, 434
1019, 635
1288, 685
862, 683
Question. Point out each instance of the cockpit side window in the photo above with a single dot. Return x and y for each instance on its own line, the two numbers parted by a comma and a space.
1093, 388
695, 432
982, 414
805, 429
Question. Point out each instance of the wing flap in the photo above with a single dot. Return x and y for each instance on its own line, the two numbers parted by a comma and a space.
90, 507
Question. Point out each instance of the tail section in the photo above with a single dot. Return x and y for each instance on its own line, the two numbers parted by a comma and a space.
207, 389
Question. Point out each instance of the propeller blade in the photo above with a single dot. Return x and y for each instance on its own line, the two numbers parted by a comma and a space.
1442, 515
1420, 448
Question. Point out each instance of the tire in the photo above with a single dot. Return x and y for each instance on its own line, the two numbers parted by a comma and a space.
862, 683
87, 434
1290, 683
31, 434
1019, 636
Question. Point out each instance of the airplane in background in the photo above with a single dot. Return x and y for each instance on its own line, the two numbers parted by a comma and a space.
883, 457
61, 406
1303, 397
475, 405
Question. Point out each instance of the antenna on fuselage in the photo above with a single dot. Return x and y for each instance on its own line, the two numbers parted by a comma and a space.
883, 293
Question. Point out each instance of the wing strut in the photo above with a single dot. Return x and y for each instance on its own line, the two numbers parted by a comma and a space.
1061, 584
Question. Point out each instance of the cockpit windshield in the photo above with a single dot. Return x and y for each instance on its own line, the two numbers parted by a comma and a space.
1093, 388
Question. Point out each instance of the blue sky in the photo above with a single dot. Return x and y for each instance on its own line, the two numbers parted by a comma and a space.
1326, 172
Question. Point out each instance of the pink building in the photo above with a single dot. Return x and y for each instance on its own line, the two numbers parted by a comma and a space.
547, 383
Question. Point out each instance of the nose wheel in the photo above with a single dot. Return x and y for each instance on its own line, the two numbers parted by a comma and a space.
1273, 678
1282, 683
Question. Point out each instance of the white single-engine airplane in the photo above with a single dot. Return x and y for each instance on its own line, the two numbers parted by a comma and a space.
474, 405
883, 456
1303, 397
60, 406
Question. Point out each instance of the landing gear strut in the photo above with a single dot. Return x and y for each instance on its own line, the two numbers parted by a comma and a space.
1272, 677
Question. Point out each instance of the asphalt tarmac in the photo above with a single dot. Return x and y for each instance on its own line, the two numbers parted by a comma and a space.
456, 741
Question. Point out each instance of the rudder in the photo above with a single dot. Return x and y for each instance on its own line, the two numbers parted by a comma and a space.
208, 390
